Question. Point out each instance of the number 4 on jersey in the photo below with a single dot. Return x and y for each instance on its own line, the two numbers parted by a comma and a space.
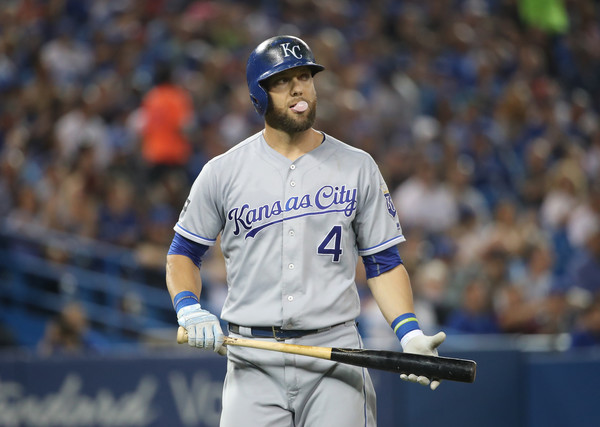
332, 244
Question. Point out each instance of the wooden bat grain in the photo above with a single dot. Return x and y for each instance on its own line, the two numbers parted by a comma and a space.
304, 350
433, 367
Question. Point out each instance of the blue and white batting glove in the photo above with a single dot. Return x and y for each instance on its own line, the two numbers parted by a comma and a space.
414, 341
203, 327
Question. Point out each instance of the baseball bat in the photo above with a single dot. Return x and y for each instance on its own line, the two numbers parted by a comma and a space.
432, 367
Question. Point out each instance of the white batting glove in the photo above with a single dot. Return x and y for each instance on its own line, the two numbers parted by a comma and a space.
203, 328
425, 345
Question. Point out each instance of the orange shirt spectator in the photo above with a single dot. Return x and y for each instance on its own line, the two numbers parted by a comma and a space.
166, 109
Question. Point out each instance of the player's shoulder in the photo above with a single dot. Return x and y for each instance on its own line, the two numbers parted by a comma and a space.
347, 150
239, 150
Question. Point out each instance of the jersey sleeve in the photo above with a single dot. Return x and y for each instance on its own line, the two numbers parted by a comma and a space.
377, 226
201, 219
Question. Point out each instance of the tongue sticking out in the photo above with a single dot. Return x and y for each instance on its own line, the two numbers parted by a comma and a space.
300, 107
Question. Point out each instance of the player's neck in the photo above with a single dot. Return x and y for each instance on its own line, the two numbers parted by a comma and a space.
294, 145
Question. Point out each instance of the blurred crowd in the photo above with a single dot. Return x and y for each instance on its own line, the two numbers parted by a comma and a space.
482, 115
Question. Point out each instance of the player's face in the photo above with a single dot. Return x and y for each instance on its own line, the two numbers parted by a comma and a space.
286, 91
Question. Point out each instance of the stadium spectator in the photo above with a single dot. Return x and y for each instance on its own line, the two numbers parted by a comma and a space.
73, 206
533, 185
118, 219
533, 304
587, 328
84, 126
69, 333
166, 118
584, 268
476, 314
467, 197
584, 220
66, 59
425, 202
429, 288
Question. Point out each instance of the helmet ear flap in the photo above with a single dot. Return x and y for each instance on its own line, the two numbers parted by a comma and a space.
256, 104
259, 98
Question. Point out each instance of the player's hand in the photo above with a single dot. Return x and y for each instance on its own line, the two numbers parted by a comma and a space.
426, 345
203, 328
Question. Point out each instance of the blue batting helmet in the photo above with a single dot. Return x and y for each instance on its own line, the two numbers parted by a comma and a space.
271, 57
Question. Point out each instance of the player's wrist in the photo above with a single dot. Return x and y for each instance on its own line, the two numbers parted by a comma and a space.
406, 327
184, 299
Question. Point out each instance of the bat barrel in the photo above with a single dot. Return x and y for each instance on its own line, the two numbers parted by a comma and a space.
433, 367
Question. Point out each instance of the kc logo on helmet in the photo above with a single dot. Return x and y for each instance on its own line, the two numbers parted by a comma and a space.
287, 51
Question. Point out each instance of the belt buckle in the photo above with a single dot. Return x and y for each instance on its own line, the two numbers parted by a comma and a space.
275, 334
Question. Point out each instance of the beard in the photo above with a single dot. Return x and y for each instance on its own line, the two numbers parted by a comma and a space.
289, 122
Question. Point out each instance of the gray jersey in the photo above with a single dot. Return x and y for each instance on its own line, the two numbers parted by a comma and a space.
291, 232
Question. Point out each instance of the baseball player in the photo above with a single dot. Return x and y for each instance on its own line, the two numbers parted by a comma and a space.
295, 208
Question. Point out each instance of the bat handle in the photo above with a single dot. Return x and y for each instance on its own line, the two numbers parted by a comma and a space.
182, 335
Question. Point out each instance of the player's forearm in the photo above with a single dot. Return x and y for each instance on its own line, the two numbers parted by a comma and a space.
392, 292
182, 275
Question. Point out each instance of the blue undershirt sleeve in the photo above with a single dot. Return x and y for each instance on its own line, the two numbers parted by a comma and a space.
381, 261
182, 246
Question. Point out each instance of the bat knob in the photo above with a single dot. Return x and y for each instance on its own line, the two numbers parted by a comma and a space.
182, 335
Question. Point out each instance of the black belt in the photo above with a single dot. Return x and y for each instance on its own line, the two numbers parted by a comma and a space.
278, 333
